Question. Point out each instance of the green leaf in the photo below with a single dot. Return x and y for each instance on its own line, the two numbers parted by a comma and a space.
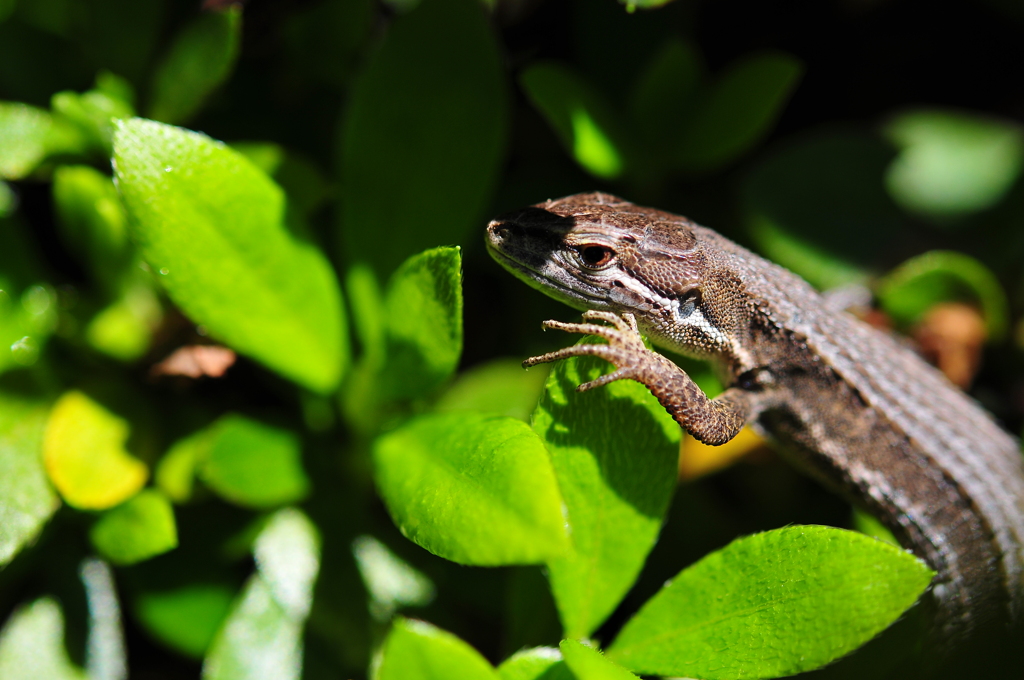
250, 463
500, 387
201, 58
772, 604
738, 111
472, 488
952, 163
663, 92
93, 222
212, 225
187, 618
536, 663
28, 135
817, 206
921, 282
8, 200
32, 645
390, 581
396, 159
84, 453
93, 114
588, 663
26, 321
423, 323
615, 453
125, 328
141, 528
262, 636
26, 499
585, 124
415, 650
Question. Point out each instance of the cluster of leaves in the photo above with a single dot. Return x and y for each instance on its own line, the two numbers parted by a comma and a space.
238, 520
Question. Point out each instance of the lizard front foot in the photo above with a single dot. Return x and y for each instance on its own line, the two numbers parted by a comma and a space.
625, 349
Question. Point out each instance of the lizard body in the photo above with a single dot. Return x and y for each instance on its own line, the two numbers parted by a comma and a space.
850, 404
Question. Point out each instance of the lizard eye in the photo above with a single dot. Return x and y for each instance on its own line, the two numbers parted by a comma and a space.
595, 256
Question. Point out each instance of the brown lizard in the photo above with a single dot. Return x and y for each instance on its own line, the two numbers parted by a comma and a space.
850, 404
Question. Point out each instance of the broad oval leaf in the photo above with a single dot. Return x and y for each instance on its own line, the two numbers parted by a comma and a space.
400, 163
536, 663
472, 488
415, 650
84, 453
186, 618
952, 163
136, 530
200, 59
772, 604
32, 645
212, 225
26, 498
738, 110
23, 138
615, 453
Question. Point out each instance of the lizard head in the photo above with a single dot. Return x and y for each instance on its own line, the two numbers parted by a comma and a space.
597, 251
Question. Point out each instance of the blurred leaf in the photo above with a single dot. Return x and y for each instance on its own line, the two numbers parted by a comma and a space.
738, 111
472, 488
29, 135
248, 463
267, 156
124, 329
136, 530
323, 40
93, 114
262, 636
588, 663
26, 323
952, 163
772, 604
817, 206
537, 663
175, 473
584, 123
423, 322
664, 92
187, 618
390, 581
921, 282
83, 449
105, 654
26, 499
415, 650
399, 164
500, 386
32, 645
631, 5
867, 524
201, 58
211, 224
8, 199
615, 452
93, 222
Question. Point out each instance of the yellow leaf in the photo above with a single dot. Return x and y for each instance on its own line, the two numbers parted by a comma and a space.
697, 459
83, 450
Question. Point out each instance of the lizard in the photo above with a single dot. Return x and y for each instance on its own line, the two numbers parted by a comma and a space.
846, 402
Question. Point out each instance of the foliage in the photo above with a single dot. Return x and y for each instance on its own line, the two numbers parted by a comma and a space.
375, 443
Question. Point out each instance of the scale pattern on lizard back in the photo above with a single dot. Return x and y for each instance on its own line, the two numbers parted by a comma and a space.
847, 402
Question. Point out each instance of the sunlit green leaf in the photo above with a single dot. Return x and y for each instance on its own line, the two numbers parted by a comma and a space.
32, 645
739, 110
588, 663
84, 453
415, 650
23, 138
952, 163
136, 530
26, 499
212, 225
472, 488
772, 604
187, 618
262, 636
536, 663
390, 581
500, 386
201, 58
93, 114
584, 123
918, 284
396, 158
614, 451
251, 463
